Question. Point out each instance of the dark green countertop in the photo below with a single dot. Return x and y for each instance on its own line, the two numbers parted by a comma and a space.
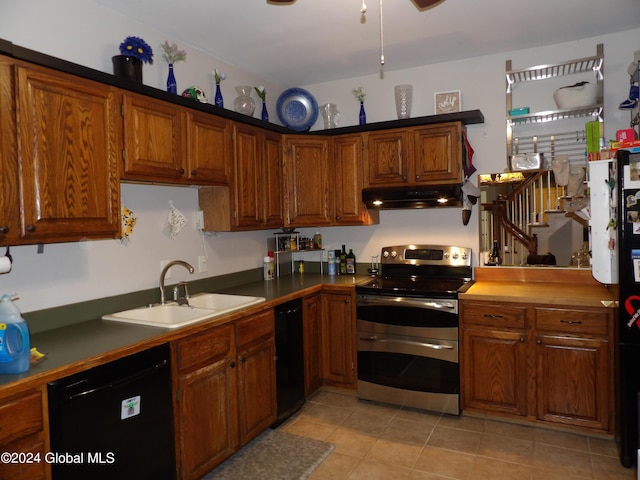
87, 344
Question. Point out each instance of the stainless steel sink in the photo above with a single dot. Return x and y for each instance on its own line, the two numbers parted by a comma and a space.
171, 315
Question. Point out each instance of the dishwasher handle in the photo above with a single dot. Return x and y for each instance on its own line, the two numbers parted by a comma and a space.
121, 381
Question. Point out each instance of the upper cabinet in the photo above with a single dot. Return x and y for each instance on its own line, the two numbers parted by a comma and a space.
168, 143
69, 137
422, 155
308, 180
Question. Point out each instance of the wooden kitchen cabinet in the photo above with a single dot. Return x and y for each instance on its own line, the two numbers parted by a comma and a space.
225, 391
307, 181
254, 198
430, 154
573, 367
312, 334
256, 374
543, 363
209, 148
9, 178
206, 415
493, 358
338, 339
23, 431
348, 182
153, 139
69, 141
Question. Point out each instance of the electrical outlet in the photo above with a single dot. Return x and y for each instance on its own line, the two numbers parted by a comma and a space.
163, 263
202, 264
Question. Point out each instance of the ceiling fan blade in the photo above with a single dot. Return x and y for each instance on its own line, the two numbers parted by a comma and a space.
422, 4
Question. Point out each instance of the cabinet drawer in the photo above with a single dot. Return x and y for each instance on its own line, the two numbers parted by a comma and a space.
572, 321
30, 446
20, 417
204, 348
494, 315
255, 327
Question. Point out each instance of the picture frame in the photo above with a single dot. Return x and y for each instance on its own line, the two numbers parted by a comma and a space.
447, 102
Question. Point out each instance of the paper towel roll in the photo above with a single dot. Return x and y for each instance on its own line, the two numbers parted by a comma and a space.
5, 264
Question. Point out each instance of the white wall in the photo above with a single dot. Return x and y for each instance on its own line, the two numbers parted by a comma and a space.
86, 33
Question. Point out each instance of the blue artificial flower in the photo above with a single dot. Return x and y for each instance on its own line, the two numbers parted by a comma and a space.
137, 47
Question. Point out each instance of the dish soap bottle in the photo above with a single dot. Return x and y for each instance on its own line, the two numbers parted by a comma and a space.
351, 262
14, 338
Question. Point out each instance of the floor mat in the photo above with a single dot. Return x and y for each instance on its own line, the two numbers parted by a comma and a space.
273, 455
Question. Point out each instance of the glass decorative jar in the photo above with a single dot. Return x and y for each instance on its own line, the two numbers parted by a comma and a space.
217, 99
244, 103
330, 115
172, 86
403, 95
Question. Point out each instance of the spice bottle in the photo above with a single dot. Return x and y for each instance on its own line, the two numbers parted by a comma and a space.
317, 240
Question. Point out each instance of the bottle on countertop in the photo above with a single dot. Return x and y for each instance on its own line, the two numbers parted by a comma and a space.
343, 261
331, 259
350, 262
269, 267
337, 255
15, 343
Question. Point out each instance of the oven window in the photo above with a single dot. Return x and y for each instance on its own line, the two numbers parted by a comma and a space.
409, 372
407, 316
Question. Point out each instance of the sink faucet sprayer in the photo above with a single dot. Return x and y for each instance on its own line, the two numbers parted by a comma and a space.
164, 273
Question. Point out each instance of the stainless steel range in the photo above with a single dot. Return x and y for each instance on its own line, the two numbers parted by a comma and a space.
408, 327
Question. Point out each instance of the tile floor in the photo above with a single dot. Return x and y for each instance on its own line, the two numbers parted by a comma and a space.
374, 441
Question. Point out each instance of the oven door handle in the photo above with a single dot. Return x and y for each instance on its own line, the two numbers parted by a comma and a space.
434, 346
408, 302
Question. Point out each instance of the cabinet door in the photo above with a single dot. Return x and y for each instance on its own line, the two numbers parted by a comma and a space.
437, 154
573, 381
349, 181
208, 148
206, 400
387, 161
153, 138
307, 180
207, 416
273, 197
338, 339
10, 196
69, 143
311, 331
494, 371
257, 407
247, 176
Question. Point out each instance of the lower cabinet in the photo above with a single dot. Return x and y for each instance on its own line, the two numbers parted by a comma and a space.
225, 391
538, 363
338, 339
22, 431
312, 334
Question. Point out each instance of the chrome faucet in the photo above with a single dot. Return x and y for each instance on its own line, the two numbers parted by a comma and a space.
164, 273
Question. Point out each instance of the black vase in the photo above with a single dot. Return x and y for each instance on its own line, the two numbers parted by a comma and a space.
129, 68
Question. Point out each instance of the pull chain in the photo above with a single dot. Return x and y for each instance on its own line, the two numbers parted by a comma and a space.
381, 37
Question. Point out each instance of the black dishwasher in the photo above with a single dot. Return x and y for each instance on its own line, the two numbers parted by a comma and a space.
289, 359
114, 420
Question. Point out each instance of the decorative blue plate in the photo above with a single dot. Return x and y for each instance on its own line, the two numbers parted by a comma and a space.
297, 109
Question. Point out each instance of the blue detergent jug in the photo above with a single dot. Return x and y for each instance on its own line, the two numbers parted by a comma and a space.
14, 338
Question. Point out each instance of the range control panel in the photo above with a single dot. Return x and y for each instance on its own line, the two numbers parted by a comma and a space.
426, 255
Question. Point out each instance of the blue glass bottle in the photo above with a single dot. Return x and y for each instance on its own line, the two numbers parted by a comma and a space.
363, 115
265, 114
219, 102
172, 86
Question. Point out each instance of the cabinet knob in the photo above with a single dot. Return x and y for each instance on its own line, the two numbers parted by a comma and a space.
337, 217
571, 322
404, 178
539, 342
347, 301
521, 339
181, 171
417, 177
232, 364
4, 229
243, 359
193, 173
31, 228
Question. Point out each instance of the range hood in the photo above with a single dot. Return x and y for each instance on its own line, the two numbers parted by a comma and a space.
418, 196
